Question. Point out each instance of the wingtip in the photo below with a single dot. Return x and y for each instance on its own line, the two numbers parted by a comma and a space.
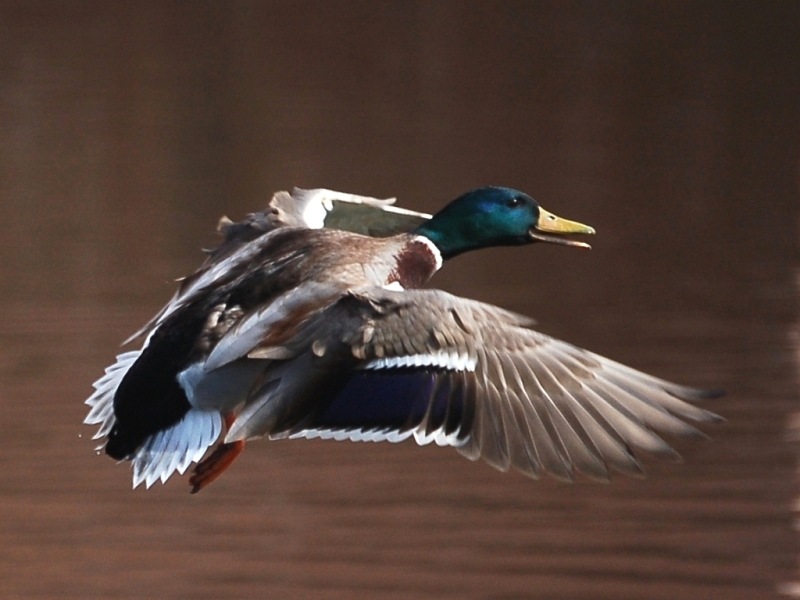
695, 394
712, 417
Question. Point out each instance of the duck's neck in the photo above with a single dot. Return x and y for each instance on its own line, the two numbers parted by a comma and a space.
415, 263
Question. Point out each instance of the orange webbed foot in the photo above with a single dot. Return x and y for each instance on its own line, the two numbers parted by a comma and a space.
212, 466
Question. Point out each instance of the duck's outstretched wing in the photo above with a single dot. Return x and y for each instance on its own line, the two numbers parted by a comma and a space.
441, 368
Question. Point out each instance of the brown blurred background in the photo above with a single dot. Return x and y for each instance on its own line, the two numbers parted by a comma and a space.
127, 129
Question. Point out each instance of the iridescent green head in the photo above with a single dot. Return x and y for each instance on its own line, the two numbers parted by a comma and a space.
496, 216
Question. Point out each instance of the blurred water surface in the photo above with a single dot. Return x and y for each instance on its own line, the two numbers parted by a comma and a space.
128, 129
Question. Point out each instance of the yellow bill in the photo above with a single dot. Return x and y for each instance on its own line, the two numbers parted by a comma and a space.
548, 223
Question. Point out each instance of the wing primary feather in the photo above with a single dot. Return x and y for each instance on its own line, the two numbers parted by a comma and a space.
653, 416
535, 436
679, 391
629, 426
581, 451
659, 397
494, 448
521, 450
611, 446
551, 450
605, 442
473, 434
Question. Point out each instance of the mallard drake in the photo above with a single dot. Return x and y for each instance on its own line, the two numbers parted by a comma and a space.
309, 321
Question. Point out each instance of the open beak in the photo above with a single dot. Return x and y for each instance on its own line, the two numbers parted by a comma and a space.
548, 223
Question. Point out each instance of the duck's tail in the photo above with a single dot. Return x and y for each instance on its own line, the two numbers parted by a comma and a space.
102, 400
174, 449
164, 452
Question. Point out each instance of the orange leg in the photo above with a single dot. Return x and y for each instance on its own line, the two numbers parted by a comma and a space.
211, 467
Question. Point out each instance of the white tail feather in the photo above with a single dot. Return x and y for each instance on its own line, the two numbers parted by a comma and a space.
102, 400
174, 449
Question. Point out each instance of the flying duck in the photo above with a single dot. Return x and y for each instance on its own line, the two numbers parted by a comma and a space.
310, 320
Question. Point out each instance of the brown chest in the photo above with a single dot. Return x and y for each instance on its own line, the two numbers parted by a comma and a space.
415, 264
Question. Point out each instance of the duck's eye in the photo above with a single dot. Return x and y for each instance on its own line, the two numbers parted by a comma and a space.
514, 202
